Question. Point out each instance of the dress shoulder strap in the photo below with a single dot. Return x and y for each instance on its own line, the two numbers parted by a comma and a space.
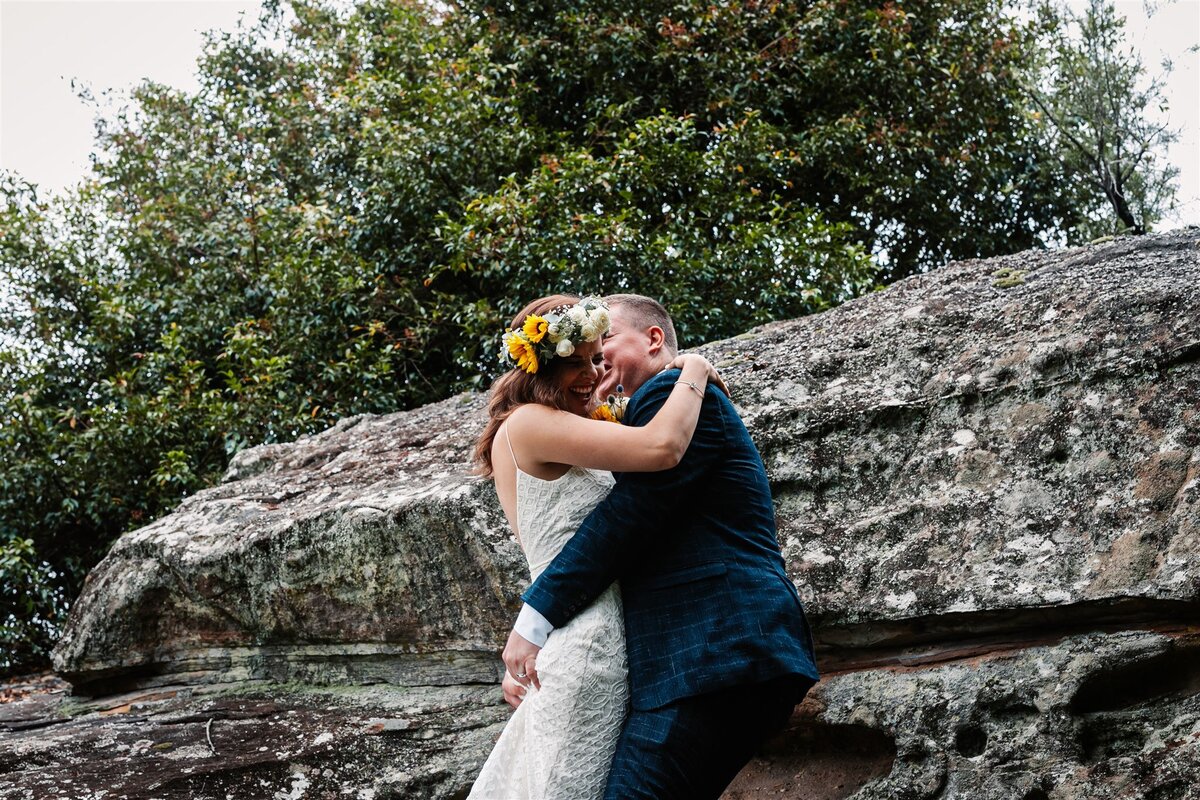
508, 441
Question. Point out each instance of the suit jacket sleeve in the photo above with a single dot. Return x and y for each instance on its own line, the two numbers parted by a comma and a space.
640, 506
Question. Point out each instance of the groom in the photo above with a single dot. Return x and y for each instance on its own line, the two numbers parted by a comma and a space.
719, 650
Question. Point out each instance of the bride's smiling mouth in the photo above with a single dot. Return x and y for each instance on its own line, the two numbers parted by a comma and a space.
583, 392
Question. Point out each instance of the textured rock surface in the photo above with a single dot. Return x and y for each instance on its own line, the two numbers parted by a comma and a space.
1094, 716
249, 741
950, 451
365, 552
988, 488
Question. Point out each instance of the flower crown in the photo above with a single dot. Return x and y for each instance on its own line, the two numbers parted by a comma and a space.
556, 334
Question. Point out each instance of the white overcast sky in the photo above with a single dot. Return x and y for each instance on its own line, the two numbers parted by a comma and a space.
46, 131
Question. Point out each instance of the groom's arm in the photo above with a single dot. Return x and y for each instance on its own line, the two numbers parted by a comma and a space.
635, 511
617, 530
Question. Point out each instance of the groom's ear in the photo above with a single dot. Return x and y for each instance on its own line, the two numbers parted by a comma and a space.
657, 339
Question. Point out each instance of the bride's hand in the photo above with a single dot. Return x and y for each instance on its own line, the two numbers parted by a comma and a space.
714, 377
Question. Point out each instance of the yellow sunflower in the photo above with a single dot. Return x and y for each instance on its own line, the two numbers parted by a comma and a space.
521, 350
535, 328
604, 413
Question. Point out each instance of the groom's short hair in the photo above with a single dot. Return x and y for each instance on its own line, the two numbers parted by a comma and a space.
646, 312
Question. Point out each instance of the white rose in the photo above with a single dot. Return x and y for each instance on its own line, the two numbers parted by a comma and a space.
565, 348
589, 331
577, 314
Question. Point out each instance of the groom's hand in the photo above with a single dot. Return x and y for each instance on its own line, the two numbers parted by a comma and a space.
520, 657
514, 692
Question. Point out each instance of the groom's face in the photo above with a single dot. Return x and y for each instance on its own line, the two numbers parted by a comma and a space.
627, 355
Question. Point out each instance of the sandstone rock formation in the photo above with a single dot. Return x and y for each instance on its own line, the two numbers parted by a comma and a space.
988, 490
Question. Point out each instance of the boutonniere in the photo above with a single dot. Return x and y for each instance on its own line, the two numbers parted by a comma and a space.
612, 409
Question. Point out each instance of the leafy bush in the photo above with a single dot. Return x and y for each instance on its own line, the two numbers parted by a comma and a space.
32, 606
699, 218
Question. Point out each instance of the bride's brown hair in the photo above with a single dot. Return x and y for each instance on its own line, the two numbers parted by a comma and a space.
517, 387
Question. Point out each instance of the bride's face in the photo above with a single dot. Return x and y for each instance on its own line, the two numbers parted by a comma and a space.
578, 375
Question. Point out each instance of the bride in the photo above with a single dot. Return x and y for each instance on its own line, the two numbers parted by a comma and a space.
549, 448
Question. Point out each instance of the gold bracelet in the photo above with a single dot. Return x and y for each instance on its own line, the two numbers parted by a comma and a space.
692, 384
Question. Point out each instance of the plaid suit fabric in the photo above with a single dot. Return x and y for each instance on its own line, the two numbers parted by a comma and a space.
671, 753
708, 604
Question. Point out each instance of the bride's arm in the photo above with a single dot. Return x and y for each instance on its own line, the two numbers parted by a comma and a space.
550, 436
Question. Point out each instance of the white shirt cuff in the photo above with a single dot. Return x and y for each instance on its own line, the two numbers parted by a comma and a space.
532, 626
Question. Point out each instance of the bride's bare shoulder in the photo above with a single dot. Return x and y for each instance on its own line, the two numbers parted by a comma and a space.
531, 413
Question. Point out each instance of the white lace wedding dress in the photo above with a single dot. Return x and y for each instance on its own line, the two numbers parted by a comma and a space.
559, 743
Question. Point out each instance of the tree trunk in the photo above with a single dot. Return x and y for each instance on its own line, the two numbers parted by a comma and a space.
1116, 196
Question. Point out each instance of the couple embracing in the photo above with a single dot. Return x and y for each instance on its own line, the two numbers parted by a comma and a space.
661, 641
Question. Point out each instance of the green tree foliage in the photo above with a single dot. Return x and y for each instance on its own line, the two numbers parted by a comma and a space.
904, 120
343, 216
696, 217
30, 603
1094, 94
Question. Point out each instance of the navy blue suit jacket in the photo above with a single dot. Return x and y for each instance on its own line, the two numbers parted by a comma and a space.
708, 604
